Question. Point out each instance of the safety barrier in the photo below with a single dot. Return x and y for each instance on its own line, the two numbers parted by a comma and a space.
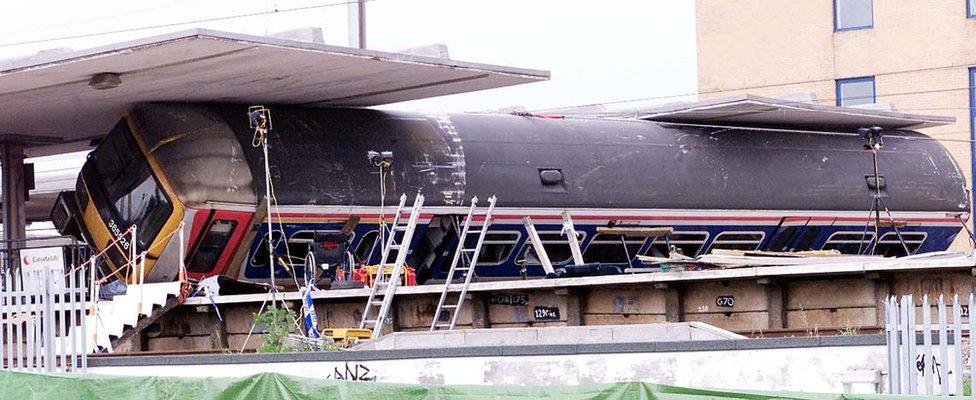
937, 365
40, 305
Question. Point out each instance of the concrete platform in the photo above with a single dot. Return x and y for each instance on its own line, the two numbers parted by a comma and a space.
645, 333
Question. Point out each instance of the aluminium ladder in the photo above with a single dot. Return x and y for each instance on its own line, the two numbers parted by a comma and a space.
381, 293
464, 261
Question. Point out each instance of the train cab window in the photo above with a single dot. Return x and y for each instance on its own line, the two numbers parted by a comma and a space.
211, 246
890, 246
686, 243
850, 242
609, 249
556, 245
737, 241
260, 256
496, 248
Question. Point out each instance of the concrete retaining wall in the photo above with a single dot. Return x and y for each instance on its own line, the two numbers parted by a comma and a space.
817, 364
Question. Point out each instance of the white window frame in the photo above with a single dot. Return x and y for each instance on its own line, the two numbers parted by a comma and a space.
680, 241
563, 240
717, 240
518, 236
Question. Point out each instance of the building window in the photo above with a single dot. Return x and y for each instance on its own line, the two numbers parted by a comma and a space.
685, 243
745, 241
556, 245
609, 249
971, 8
850, 242
854, 91
496, 248
890, 246
853, 14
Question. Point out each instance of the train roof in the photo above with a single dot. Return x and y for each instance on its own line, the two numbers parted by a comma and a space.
768, 112
51, 99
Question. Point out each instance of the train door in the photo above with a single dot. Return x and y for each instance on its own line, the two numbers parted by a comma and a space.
214, 237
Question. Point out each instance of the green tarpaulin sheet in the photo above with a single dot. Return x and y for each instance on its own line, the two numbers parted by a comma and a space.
23, 386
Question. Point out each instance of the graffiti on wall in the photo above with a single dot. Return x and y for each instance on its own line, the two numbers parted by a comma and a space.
352, 372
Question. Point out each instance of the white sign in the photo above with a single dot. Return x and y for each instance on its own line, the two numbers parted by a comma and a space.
35, 263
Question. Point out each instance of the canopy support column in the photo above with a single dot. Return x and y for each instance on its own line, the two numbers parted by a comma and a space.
14, 199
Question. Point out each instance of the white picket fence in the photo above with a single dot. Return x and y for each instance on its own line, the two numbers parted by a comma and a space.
936, 365
37, 307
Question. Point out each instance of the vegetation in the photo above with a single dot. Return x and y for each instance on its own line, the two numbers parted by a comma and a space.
276, 321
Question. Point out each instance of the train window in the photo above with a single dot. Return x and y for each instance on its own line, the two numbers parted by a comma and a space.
686, 243
890, 246
496, 248
556, 245
807, 239
737, 241
784, 239
368, 248
849, 242
299, 242
210, 247
260, 256
609, 249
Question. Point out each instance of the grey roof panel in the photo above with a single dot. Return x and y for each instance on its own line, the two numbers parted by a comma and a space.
758, 111
47, 98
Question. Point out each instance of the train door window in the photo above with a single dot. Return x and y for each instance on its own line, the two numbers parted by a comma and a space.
260, 256
211, 246
609, 249
497, 247
737, 241
686, 243
556, 245
890, 246
849, 242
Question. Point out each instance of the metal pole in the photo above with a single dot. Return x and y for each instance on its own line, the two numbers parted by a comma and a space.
267, 188
357, 24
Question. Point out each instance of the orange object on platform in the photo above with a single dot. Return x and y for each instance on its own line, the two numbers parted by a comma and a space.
367, 275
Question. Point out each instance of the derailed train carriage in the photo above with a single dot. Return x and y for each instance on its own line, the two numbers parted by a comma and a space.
718, 188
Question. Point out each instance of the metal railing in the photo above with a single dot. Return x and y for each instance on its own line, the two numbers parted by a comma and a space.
49, 317
41, 308
936, 366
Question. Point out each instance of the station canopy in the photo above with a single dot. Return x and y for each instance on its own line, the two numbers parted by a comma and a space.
53, 104
766, 112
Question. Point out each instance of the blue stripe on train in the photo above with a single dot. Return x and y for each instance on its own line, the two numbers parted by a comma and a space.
937, 238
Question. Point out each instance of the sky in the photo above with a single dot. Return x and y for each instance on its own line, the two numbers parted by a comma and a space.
607, 51
597, 51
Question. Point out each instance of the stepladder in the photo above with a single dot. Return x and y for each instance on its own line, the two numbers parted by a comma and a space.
470, 241
394, 257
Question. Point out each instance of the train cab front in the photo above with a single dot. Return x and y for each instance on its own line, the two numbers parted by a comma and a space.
120, 190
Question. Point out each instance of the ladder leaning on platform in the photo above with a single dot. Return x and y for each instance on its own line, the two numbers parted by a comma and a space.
465, 259
383, 288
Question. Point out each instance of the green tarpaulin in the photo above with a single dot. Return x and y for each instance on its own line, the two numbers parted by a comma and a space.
23, 386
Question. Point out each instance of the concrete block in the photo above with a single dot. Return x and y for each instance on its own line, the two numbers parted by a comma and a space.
736, 321
622, 319
837, 293
172, 343
703, 297
839, 318
624, 301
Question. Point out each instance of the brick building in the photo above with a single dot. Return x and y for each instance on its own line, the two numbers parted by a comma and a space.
919, 56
